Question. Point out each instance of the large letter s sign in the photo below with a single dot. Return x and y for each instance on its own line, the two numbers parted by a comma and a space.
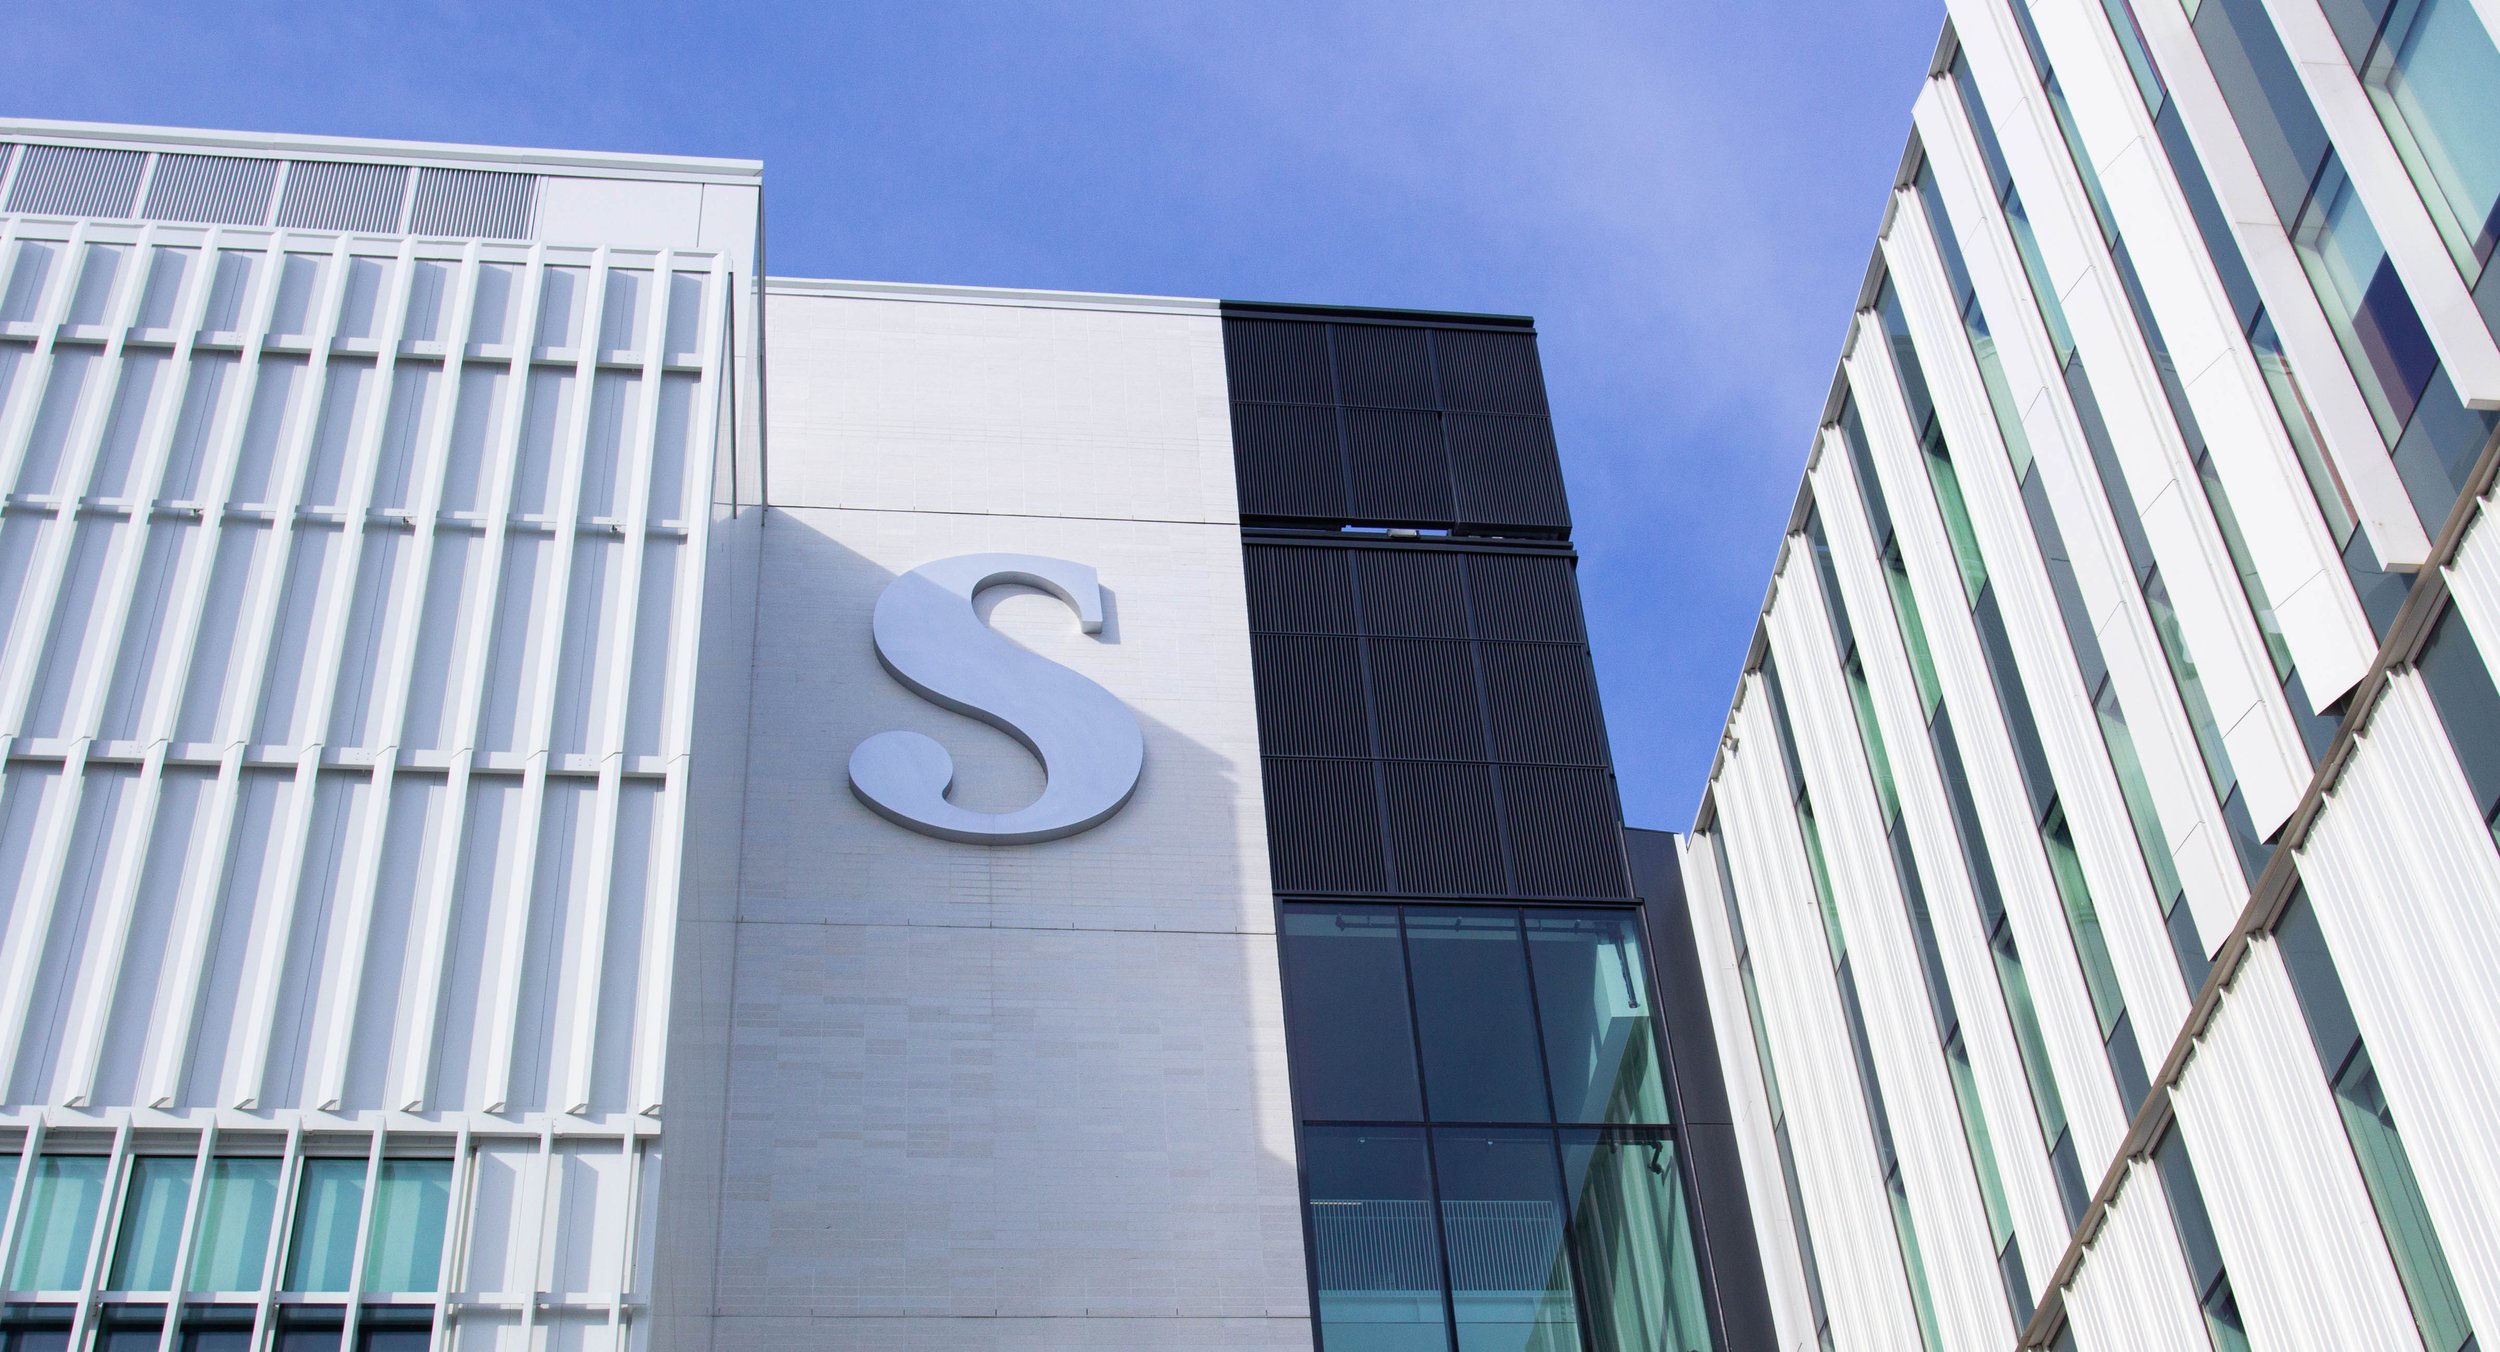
931, 639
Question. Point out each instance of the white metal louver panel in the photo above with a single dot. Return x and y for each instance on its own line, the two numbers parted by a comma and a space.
213, 189
339, 195
75, 181
472, 203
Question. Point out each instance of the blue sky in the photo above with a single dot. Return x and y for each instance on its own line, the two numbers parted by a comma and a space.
1684, 195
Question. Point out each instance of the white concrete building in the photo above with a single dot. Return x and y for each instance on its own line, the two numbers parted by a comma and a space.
2096, 876
518, 830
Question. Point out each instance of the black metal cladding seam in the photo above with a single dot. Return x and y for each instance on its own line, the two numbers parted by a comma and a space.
1399, 470
1524, 596
1383, 367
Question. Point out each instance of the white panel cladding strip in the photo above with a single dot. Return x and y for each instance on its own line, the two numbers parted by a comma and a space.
2132, 1293
2174, 772
1833, 1144
50, 896
2295, 556
2309, 1265
225, 683
2414, 246
2402, 873
2052, 689
2396, 532
2221, 636
1936, 1169
1749, 1103
2034, 910
1953, 909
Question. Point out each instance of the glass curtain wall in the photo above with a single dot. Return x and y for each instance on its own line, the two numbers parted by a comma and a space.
1798, 1222
1490, 1158
1853, 1015
2380, 592
1941, 1007
236, 1231
2433, 438
2252, 852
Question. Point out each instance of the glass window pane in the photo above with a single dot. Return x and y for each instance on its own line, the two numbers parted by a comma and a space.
1502, 1218
1372, 1243
410, 1201
1913, 631
1592, 993
2275, 116
143, 1254
2436, 80
237, 1209
2365, 301
1634, 1235
1346, 1009
1471, 997
321, 1253
215, 1329
130, 1329
308, 1331
58, 1229
388, 1329
2421, 1261
2461, 690
1947, 483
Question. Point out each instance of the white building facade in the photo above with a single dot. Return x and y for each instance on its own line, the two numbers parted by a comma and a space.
2095, 881
519, 831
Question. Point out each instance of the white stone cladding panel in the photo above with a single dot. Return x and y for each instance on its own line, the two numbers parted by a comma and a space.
1027, 1096
1045, 410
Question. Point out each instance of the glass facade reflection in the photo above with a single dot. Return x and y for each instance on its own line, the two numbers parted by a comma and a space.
1488, 1149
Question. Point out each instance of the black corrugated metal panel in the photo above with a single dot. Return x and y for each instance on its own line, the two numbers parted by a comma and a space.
1566, 831
1443, 826
1397, 466
76, 181
1323, 826
1411, 593
1288, 461
1384, 366
1299, 591
1507, 474
1489, 372
1434, 422
1541, 702
1525, 596
1277, 362
1310, 691
1424, 694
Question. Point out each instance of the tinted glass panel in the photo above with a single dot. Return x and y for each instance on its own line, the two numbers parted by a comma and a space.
1471, 999
1511, 1286
236, 1211
2461, 688
322, 1250
410, 1201
1372, 1240
55, 1232
1638, 1272
143, 1254
1592, 991
1353, 1042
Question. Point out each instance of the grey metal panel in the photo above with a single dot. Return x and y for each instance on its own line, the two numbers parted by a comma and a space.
1299, 591
1444, 829
327, 195
473, 203
1310, 691
215, 189
76, 181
